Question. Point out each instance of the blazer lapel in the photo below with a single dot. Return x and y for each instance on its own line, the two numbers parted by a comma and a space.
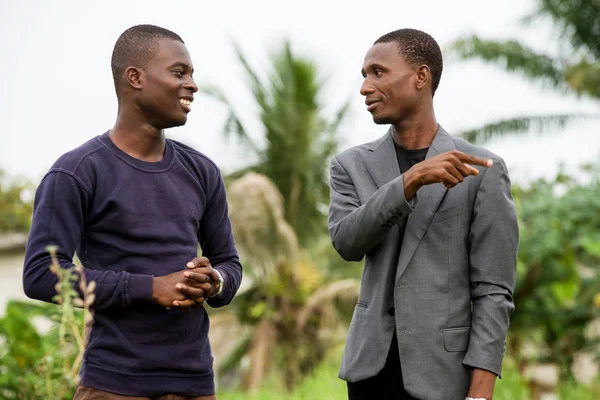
429, 198
383, 165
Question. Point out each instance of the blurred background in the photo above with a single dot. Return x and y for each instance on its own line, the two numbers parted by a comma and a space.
279, 96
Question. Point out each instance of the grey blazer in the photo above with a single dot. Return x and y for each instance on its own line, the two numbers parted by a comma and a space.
450, 281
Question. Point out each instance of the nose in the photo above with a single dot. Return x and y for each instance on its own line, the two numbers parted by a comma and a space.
366, 88
191, 85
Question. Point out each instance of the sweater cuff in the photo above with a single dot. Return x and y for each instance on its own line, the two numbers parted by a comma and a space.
138, 289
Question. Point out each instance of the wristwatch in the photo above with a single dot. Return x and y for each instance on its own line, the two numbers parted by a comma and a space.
218, 285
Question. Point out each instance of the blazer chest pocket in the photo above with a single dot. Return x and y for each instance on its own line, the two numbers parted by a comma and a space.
456, 339
447, 213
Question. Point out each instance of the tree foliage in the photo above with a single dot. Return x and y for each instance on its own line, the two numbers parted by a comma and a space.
15, 207
558, 285
38, 365
290, 301
300, 138
576, 70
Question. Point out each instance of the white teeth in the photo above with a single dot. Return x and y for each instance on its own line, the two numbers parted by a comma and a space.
185, 102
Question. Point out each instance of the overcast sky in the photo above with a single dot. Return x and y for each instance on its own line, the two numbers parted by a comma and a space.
56, 90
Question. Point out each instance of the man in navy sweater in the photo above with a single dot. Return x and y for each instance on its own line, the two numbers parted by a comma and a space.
134, 206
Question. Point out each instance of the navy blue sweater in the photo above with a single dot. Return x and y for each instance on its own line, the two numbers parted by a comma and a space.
129, 220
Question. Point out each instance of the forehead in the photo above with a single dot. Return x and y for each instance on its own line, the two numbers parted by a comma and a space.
170, 52
386, 55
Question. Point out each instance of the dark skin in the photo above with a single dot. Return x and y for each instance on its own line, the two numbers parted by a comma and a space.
401, 94
150, 101
185, 288
154, 97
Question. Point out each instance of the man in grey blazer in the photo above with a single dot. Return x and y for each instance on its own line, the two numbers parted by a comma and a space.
434, 218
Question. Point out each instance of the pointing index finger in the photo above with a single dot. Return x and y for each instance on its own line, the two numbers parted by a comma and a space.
484, 162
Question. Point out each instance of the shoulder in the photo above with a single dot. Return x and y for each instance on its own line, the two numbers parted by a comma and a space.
78, 164
192, 157
199, 166
355, 153
71, 161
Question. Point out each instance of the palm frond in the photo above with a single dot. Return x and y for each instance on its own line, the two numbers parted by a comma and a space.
520, 125
584, 78
234, 358
341, 114
511, 55
233, 124
578, 21
299, 137
256, 85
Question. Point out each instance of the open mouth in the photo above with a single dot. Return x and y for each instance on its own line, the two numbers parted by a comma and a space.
187, 104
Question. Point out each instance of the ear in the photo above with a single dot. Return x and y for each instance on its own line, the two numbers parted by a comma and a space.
134, 77
423, 76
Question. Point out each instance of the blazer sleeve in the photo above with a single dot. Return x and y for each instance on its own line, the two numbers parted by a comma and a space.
494, 237
356, 228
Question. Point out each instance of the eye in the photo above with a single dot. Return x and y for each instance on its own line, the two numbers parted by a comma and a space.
378, 73
179, 73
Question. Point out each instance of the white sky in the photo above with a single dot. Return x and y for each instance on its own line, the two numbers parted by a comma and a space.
56, 89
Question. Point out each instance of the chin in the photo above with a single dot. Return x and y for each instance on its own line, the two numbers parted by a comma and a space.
381, 120
178, 122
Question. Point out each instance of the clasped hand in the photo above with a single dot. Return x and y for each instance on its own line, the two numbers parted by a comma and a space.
185, 288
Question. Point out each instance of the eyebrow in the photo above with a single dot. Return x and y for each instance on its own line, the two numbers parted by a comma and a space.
370, 67
181, 64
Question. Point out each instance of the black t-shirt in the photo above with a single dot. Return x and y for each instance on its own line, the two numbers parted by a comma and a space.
407, 158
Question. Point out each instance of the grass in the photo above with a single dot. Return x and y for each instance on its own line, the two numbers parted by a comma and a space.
324, 384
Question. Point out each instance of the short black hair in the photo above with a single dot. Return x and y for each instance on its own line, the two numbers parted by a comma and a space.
136, 46
418, 48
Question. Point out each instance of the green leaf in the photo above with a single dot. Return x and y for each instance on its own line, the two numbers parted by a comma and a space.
592, 246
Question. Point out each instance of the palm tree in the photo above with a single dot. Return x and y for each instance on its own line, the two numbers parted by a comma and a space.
300, 139
576, 70
287, 308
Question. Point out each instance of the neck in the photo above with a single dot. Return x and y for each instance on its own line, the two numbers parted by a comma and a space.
417, 131
137, 137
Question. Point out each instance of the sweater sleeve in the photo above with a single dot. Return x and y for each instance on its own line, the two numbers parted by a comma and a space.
60, 209
217, 243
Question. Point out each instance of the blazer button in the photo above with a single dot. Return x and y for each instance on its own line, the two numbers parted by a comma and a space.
391, 311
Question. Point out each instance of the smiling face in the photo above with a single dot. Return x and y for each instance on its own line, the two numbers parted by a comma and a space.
166, 87
391, 86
